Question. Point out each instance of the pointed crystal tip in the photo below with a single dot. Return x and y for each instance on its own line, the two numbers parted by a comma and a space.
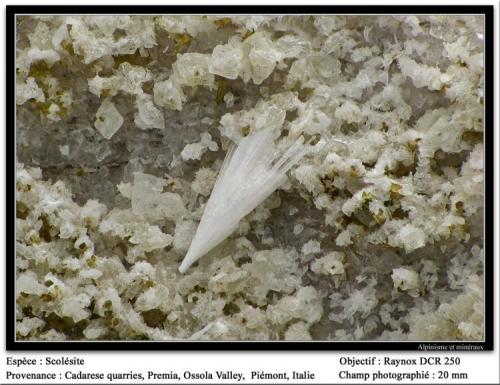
250, 173
186, 262
183, 267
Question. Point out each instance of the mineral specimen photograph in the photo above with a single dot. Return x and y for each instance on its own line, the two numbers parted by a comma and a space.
246, 177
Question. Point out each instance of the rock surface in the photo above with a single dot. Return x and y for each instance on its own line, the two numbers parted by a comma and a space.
122, 126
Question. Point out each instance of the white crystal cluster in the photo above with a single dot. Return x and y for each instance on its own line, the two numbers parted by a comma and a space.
375, 233
250, 173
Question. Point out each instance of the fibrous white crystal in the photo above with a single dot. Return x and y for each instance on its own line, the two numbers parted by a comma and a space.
250, 173
108, 119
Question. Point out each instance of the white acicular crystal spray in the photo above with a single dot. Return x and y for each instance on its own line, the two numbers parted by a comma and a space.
251, 172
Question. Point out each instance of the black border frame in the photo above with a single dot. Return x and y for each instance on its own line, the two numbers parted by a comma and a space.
453, 346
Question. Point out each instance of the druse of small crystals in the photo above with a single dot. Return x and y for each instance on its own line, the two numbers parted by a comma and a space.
122, 126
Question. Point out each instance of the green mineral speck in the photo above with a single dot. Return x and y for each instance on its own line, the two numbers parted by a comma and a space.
154, 317
473, 137
22, 211
91, 262
221, 90
394, 191
45, 230
230, 309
